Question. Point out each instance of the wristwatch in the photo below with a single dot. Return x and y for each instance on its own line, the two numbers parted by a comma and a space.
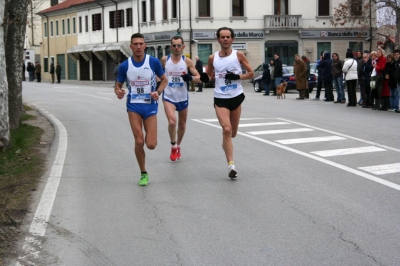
159, 92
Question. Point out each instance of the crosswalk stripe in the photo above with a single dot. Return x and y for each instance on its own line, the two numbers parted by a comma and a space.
278, 131
382, 169
264, 124
308, 140
338, 152
241, 119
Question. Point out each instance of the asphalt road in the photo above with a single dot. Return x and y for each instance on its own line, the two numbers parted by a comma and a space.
318, 184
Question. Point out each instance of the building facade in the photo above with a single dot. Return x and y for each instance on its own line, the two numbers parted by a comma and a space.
103, 29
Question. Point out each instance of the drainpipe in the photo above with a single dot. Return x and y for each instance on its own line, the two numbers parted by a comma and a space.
138, 20
102, 17
179, 10
116, 10
370, 26
190, 25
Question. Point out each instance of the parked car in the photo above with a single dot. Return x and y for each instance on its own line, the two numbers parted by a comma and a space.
259, 70
288, 76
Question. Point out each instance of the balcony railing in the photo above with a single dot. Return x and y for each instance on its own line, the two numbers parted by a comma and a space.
282, 21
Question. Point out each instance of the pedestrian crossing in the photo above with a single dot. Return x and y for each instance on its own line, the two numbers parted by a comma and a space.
319, 143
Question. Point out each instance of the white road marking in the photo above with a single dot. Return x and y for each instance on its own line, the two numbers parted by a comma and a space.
339, 152
314, 157
279, 131
92, 96
342, 135
241, 119
309, 140
43, 211
66, 87
264, 124
106, 92
382, 169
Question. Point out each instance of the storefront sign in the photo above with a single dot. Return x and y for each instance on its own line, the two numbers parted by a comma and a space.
334, 34
245, 34
239, 46
159, 37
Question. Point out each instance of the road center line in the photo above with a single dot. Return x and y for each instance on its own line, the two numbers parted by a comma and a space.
311, 156
92, 96
43, 211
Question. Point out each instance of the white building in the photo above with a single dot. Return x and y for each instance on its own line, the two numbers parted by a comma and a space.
262, 28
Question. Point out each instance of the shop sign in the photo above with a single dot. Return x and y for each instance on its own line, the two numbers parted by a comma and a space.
239, 46
245, 34
159, 37
334, 34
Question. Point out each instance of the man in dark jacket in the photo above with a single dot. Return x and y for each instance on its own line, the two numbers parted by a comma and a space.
325, 67
366, 76
361, 84
319, 81
52, 72
199, 68
23, 71
31, 70
38, 71
266, 78
278, 71
58, 72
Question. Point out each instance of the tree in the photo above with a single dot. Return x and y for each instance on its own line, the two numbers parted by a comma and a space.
4, 122
14, 36
34, 21
366, 13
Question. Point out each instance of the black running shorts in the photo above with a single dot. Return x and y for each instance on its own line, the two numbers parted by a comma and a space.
229, 103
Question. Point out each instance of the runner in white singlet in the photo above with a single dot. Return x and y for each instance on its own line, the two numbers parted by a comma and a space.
228, 92
142, 99
175, 96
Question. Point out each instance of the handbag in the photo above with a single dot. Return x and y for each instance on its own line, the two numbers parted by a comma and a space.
349, 68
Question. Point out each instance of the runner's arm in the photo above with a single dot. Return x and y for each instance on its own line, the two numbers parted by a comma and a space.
193, 70
244, 62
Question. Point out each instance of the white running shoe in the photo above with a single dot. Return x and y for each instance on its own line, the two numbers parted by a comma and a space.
232, 173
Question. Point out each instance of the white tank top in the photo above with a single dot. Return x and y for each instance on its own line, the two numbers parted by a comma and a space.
221, 66
140, 81
176, 91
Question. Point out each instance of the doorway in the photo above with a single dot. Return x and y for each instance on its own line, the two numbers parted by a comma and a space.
285, 50
281, 7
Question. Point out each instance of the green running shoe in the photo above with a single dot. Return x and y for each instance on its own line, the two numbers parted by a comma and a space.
144, 180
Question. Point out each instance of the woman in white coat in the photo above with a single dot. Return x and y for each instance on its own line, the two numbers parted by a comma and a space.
350, 70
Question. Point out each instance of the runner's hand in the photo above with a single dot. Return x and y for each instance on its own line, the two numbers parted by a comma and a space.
231, 76
119, 92
204, 77
187, 77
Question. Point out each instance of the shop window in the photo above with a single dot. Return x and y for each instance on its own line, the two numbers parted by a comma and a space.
323, 47
129, 17
204, 8
238, 8
323, 8
204, 51
355, 47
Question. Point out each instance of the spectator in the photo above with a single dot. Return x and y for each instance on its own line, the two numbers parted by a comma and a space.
337, 75
305, 60
266, 79
397, 76
360, 67
377, 82
319, 81
199, 68
350, 70
272, 70
366, 76
31, 70
325, 67
278, 71
58, 72
382, 84
52, 72
38, 71
392, 84
300, 72
23, 71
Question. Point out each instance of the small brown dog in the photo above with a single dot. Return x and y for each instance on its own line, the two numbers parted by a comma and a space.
280, 90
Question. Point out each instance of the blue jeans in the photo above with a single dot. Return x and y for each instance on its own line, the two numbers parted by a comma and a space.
266, 87
278, 81
339, 88
394, 98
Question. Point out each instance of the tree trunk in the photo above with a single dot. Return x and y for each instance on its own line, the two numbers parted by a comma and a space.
14, 30
4, 122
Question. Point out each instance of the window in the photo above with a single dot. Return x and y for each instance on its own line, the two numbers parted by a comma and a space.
46, 64
205, 50
45, 29
68, 27
323, 8
356, 7
238, 8
174, 9
152, 11
80, 24
144, 18
129, 17
63, 26
73, 25
281, 7
51, 29
165, 10
57, 33
116, 19
86, 24
96, 21
204, 8
355, 47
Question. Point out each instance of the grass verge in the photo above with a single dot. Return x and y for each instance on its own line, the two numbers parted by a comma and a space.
21, 166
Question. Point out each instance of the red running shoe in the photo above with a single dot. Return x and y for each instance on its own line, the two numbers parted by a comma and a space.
174, 154
178, 153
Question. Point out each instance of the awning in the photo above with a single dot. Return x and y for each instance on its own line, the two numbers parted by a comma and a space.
100, 51
123, 47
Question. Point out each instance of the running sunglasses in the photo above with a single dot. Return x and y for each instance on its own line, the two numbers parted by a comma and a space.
176, 45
